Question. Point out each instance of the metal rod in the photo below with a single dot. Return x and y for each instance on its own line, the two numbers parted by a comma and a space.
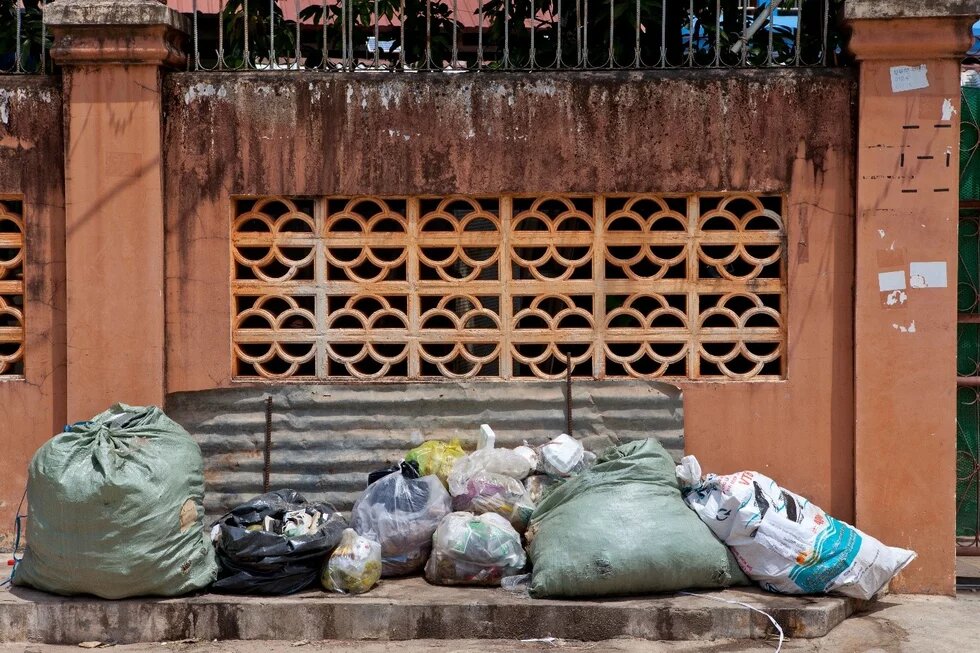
18, 65
479, 39
968, 318
612, 38
377, 36
826, 21
325, 56
221, 37
799, 32
197, 53
247, 54
455, 52
533, 28
968, 381
272, 34
401, 45
267, 452
568, 392
299, 36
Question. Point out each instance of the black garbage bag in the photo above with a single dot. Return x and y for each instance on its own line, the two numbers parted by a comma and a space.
267, 546
409, 469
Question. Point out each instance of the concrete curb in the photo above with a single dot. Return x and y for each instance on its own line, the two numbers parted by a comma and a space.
411, 609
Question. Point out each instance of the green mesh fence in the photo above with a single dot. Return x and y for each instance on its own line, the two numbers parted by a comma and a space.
970, 145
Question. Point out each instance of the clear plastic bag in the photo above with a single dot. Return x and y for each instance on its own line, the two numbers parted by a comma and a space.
355, 565
486, 492
494, 461
401, 514
474, 550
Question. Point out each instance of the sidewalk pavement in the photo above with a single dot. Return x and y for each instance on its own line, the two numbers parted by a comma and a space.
897, 624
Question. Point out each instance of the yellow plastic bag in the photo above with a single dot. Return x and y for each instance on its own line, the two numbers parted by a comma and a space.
436, 457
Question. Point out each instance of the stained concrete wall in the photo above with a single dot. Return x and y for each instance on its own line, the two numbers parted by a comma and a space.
31, 169
766, 131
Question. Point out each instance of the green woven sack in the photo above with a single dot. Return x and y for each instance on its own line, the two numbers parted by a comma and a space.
623, 528
115, 509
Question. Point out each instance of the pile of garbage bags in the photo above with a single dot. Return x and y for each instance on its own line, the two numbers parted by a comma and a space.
555, 518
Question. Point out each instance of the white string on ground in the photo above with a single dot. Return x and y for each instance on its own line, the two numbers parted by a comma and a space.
744, 605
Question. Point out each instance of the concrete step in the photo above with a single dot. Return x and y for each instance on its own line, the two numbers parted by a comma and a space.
412, 609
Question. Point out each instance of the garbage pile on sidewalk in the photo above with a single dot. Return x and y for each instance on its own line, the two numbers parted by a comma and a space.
116, 510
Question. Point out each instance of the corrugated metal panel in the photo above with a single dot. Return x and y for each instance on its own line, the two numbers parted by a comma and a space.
326, 438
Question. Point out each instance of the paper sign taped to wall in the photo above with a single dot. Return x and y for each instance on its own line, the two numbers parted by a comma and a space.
889, 281
927, 274
908, 78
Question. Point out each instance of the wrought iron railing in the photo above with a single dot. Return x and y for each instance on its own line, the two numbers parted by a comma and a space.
24, 39
523, 35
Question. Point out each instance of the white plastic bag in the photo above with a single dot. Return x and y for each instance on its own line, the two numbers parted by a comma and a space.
784, 542
401, 514
355, 565
564, 456
493, 461
474, 550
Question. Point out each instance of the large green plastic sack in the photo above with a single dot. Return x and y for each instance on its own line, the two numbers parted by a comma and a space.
115, 509
623, 528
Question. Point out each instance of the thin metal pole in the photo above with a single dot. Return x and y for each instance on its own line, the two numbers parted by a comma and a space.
568, 393
299, 52
663, 33
531, 53
479, 39
455, 52
18, 67
325, 57
826, 20
558, 35
221, 37
267, 457
401, 45
505, 61
377, 37
636, 45
247, 54
428, 34
272, 34
612, 40
197, 53
799, 31
717, 58
44, 41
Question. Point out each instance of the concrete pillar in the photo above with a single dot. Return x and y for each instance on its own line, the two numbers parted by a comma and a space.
112, 52
905, 305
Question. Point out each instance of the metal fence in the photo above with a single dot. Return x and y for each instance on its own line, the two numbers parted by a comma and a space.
523, 35
24, 39
473, 35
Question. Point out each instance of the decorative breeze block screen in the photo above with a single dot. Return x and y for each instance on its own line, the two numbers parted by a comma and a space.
509, 287
11, 289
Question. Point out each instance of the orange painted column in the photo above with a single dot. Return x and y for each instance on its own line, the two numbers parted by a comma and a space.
905, 304
112, 54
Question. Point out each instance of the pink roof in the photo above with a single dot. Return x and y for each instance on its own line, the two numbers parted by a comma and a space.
467, 10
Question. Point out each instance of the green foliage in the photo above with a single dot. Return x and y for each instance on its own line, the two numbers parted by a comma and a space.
440, 25
264, 29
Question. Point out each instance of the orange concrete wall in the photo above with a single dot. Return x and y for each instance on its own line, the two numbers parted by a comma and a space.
31, 155
906, 353
762, 131
114, 238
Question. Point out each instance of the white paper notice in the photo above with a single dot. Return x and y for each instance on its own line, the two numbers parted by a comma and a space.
908, 78
889, 281
927, 274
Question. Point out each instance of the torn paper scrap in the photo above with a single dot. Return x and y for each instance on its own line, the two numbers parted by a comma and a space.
948, 110
889, 281
908, 78
927, 274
